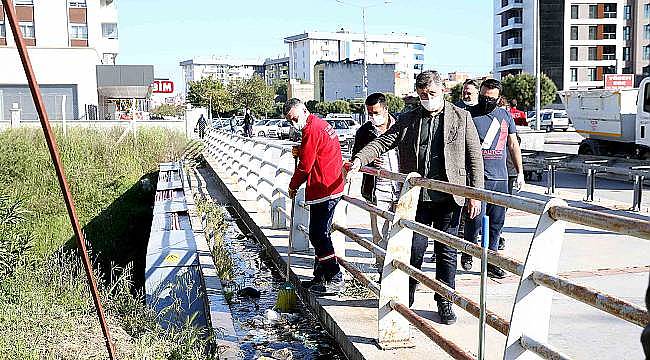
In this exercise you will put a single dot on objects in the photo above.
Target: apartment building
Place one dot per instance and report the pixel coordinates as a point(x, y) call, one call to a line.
point(404, 51)
point(222, 68)
point(67, 40)
point(276, 69)
point(581, 40)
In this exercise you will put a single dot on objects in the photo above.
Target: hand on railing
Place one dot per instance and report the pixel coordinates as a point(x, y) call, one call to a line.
point(295, 151)
point(292, 193)
point(520, 182)
point(350, 168)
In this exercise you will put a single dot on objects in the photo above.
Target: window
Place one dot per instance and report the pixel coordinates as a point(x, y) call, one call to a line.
point(574, 54)
point(646, 101)
point(592, 74)
point(593, 31)
point(627, 70)
point(78, 3)
point(78, 32)
point(609, 31)
point(574, 74)
point(626, 33)
point(610, 10)
point(626, 54)
point(593, 11)
point(27, 28)
point(419, 57)
point(627, 12)
point(646, 10)
point(2, 29)
point(109, 30)
point(609, 52)
point(418, 46)
point(593, 53)
point(24, 2)
point(574, 33)
point(646, 32)
point(574, 11)
point(646, 53)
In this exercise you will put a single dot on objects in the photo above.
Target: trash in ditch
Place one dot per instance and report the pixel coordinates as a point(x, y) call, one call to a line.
point(249, 291)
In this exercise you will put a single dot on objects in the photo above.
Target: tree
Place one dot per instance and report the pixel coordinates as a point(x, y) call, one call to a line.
point(208, 91)
point(322, 108)
point(340, 107)
point(253, 94)
point(280, 88)
point(522, 88)
point(456, 93)
point(395, 104)
point(168, 110)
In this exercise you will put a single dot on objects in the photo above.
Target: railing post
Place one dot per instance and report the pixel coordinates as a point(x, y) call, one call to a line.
point(278, 220)
point(340, 217)
point(532, 309)
point(300, 218)
point(591, 184)
point(394, 329)
point(550, 180)
point(638, 186)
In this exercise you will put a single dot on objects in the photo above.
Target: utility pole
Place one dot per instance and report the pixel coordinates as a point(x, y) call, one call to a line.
point(365, 58)
point(538, 71)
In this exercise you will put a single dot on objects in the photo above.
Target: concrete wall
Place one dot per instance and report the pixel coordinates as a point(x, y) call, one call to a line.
point(345, 80)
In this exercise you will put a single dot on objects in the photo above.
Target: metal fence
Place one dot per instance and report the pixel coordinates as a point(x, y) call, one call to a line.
point(263, 170)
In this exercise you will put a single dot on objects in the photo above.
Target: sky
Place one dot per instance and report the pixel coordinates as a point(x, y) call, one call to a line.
point(164, 32)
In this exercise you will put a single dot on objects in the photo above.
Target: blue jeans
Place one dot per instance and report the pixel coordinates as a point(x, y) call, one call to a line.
point(320, 224)
point(443, 216)
point(497, 215)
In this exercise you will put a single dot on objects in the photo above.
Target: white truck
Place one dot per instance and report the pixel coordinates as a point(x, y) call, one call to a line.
point(613, 122)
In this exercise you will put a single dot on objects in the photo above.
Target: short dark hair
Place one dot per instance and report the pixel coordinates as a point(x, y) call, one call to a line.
point(426, 78)
point(290, 104)
point(470, 82)
point(513, 103)
point(492, 84)
point(376, 98)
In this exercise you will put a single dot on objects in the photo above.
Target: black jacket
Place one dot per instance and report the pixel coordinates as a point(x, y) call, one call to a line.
point(365, 134)
point(462, 147)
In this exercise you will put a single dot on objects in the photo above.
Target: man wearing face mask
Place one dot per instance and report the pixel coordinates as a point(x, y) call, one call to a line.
point(439, 141)
point(469, 95)
point(379, 191)
point(498, 135)
point(319, 165)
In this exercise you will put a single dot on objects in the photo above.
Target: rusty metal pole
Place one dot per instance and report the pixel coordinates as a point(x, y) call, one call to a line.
point(58, 167)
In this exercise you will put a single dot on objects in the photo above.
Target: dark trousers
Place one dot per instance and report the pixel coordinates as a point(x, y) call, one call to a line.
point(497, 215)
point(201, 133)
point(443, 216)
point(320, 224)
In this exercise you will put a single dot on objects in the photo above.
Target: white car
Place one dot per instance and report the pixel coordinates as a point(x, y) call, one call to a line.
point(261, 127)
point(551, 120)
point(345, 134)
point(352, 124)
point(279, 129)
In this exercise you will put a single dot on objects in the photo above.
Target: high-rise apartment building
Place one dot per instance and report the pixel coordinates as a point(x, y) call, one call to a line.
point(221, 68)
point(67, 40)
point(404, 51)
point(580, 40)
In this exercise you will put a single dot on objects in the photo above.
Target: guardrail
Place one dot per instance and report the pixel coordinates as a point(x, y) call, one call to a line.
point(263, 168)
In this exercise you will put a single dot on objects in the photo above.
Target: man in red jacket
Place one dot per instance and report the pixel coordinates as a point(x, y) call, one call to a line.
point(320, 163)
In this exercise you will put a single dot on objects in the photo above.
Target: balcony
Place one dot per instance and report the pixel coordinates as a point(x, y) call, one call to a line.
point(609, 56)
point(513, 61)
point(609, 36)
point(509, 5)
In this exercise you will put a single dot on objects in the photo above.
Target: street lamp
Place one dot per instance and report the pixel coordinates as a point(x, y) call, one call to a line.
point(365, 41)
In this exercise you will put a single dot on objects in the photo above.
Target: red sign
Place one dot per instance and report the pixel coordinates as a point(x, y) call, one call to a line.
point(619, 81)
point(163, 87)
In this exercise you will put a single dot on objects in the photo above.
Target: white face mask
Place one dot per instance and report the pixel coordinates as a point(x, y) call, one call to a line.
point(433, 104)
point(302, 121)
point(470, 103)
point(377, 120)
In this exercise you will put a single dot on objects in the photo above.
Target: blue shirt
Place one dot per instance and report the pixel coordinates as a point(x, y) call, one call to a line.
point(493, 130)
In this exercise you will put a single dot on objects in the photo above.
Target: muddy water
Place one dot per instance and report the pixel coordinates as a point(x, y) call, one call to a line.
point(262, 333)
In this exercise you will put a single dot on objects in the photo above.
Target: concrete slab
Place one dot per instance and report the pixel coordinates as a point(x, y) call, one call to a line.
point(617, 264)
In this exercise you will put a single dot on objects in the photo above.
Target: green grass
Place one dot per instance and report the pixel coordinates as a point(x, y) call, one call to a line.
point(46, 311)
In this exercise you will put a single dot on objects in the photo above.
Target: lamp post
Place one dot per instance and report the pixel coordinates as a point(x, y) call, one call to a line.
point(538, 72)
point(365, 43)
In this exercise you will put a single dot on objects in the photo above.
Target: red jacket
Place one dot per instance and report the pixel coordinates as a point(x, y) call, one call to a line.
point(320, 162)
point(518, 116)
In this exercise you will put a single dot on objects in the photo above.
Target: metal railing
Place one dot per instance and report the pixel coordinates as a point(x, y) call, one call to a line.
point(264, 168)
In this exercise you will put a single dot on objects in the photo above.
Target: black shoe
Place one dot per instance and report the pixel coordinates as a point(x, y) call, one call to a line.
point(495, 272)
point(445, 312)
point(307, 284)
point(466, 261)
point(329, 287)
point(502, 243)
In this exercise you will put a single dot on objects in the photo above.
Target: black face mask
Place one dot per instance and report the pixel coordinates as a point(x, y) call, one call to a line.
point(486, 104)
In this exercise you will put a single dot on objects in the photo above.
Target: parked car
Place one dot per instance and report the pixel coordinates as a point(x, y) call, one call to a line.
point(550, 120)
point(352, 123)
point(261, 127)
point(279, 129)
point(345, 134)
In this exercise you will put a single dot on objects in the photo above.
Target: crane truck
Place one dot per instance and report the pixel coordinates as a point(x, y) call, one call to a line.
point(613, 122)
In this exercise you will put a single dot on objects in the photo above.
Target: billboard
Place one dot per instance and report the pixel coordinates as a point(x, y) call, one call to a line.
point(619, 81)
point(163, 87)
